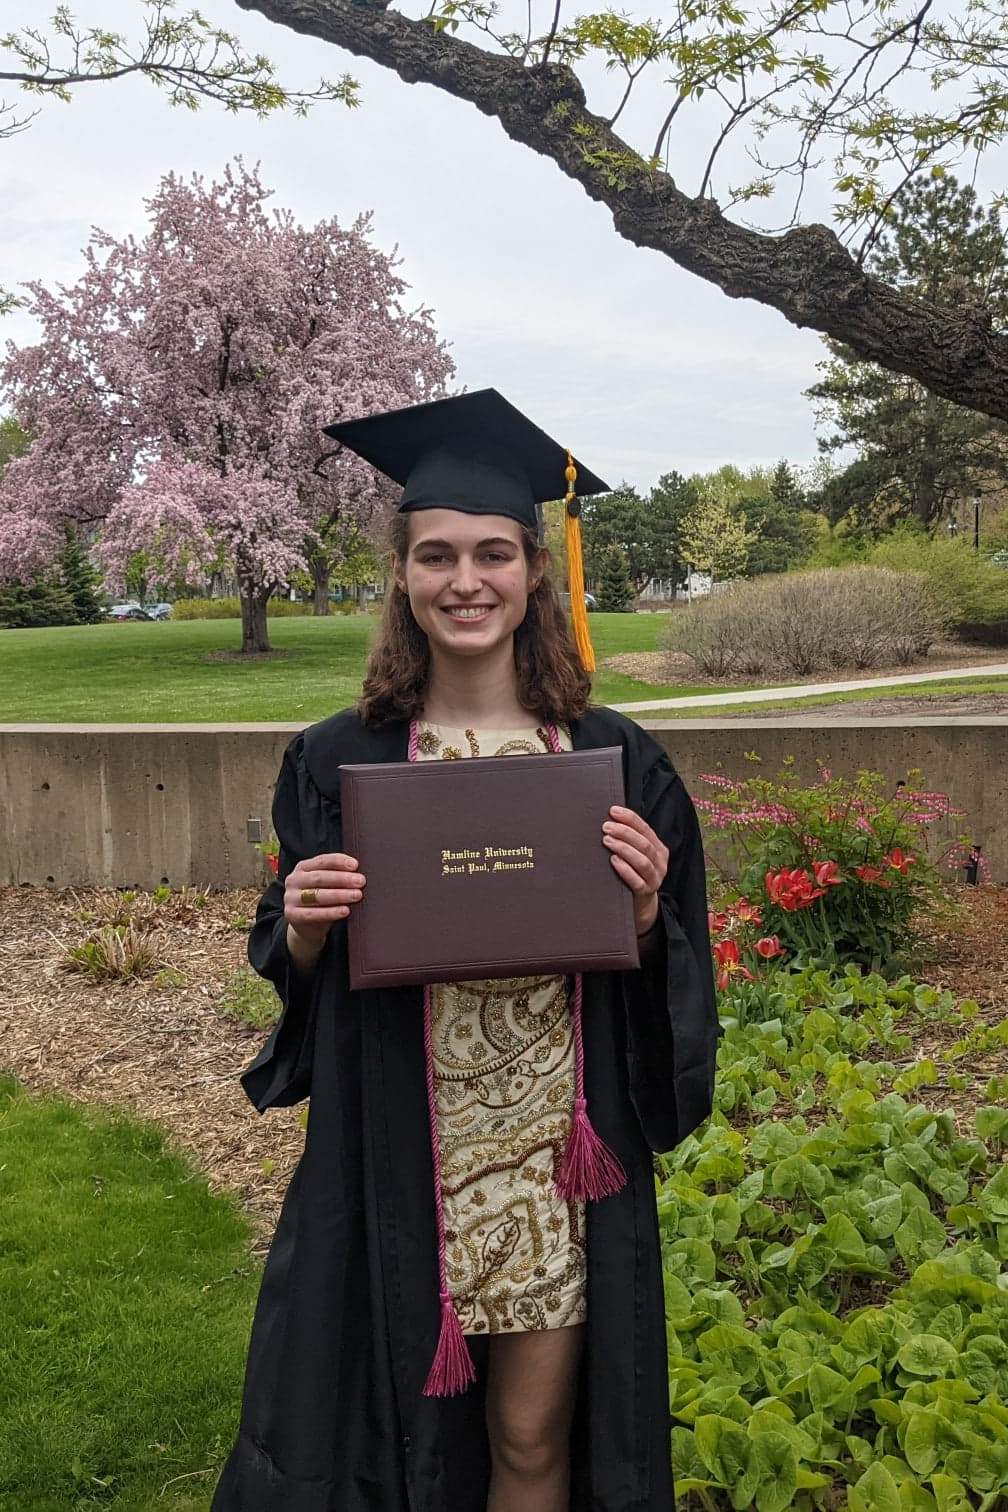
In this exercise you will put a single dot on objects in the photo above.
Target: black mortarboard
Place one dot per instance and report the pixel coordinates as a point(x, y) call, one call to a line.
point(476, 453)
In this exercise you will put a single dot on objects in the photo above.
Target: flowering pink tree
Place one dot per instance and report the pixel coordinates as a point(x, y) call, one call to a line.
point(177, 393)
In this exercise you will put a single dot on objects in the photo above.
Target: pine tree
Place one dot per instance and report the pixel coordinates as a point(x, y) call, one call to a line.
point(30, 606)
point(784, 531)
point(616, 589)
point(80, 581)
point(919, 454)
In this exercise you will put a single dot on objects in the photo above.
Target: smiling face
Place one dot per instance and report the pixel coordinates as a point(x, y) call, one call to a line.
point(468, 579)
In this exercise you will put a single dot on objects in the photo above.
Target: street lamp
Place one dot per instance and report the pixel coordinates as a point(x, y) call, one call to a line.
point(976, 522)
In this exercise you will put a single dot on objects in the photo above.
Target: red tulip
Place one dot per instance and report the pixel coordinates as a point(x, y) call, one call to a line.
point(769, 947)
point(898, 861)
point(273, 862)
point(793, 889)
point(870, 874)
point(726, 954)
point(716, 922)
point(748, 913)
point(827, 873)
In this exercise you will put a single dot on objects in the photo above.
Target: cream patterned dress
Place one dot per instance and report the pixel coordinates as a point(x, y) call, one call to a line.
point(504, 1078)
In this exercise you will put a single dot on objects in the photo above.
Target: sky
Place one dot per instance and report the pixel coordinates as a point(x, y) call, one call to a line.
point(637, 365)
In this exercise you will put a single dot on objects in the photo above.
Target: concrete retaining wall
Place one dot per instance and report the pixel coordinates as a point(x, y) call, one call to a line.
point(138, 805)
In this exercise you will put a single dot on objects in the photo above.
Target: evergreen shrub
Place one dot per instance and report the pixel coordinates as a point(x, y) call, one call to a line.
point(802, 623)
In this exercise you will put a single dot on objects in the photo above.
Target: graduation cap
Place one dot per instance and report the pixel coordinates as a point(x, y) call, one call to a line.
point(479, 454)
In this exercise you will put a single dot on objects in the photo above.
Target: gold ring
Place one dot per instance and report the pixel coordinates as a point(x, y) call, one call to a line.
point(309, 897)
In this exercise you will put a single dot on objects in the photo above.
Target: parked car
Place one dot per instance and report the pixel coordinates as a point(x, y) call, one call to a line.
point(127, 612)
point(159, 611)
point(591, 602)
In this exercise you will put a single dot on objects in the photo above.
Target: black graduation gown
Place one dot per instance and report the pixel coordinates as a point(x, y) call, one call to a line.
point(333, 1418)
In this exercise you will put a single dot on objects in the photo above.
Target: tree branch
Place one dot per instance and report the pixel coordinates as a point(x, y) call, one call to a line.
point(807, 274)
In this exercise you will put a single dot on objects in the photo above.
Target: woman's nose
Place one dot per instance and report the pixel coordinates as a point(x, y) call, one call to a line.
point(465, 578)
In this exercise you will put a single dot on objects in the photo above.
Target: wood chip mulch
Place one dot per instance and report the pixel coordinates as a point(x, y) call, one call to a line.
point(162, 1052)
point(172, 1054)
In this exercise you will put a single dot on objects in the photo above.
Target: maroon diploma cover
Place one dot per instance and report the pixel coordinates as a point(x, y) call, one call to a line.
point(490, 866)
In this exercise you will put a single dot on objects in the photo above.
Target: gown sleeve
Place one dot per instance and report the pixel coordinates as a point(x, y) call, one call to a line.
point(281, 1073)
point(671, 1014)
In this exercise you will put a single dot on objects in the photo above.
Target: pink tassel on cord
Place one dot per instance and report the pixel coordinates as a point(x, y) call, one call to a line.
point(589, 1169)
point(453, 1369)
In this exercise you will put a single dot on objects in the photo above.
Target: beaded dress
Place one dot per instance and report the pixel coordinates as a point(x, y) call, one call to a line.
point(503, 1054)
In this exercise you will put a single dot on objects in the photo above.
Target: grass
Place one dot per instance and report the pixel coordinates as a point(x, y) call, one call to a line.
point(126, 1290)
point(974, 685)
point(250, 999)
point(137, 672)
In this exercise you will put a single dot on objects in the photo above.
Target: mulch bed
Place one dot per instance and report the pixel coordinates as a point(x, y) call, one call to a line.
point(165, 1053)
point(170, 1053)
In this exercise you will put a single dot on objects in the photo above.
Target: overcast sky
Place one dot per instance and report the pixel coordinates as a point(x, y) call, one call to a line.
point(637, 365)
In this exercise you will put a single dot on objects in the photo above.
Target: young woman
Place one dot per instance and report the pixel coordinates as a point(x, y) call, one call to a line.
point(452, 1319)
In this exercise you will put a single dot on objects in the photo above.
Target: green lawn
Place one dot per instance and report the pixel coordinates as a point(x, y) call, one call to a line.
point(126, 1293)
point(140, 672)
point(972, 685)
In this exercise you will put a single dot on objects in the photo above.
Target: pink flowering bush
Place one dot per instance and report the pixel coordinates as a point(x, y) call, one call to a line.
point(835, 871)
point(176, 394)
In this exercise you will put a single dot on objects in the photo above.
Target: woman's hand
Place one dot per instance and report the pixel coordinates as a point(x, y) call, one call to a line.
point(333, 884)
point(640, 859)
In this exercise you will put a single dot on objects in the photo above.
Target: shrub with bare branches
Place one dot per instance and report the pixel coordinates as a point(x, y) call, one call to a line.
point(801, 623)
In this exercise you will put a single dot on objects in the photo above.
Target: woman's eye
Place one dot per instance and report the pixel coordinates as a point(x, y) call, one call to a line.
point(433, 560)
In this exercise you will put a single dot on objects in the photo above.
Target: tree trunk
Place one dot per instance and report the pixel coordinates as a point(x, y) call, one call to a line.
point(255, 634)
point(807, 274)
point(320, 572)
point(362, 598)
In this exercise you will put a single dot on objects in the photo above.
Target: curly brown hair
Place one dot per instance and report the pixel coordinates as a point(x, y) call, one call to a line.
point(552, 684)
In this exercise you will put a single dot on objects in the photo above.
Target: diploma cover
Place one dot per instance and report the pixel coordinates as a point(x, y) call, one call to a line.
point(490, 866)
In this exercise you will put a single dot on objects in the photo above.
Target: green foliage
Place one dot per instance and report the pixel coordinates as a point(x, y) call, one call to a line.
point(251, 999)
point(919, 454)
point(615, 586)
point(181, 53)
point(715, 536)
point(80, 580)
point(35, 605)
point(648, 532)
point(616, 520)
point(970, 590)
point(669, 502)
point(839, 869)
point(14, 440)
point(229, 608)
point(784, 531)
point(836, 1299)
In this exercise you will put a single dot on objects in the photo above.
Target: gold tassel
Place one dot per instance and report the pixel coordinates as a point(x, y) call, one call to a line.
point(575, 570)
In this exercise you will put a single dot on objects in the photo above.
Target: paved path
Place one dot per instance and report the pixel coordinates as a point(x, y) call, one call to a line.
point(809, 690)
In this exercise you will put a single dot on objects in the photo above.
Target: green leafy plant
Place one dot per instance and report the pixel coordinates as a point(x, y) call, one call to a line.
point(248, 997)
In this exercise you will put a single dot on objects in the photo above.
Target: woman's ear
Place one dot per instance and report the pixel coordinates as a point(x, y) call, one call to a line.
point(396, 569)
point(537, 569)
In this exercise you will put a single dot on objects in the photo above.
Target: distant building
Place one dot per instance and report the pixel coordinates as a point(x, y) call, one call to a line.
point(698, 585)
